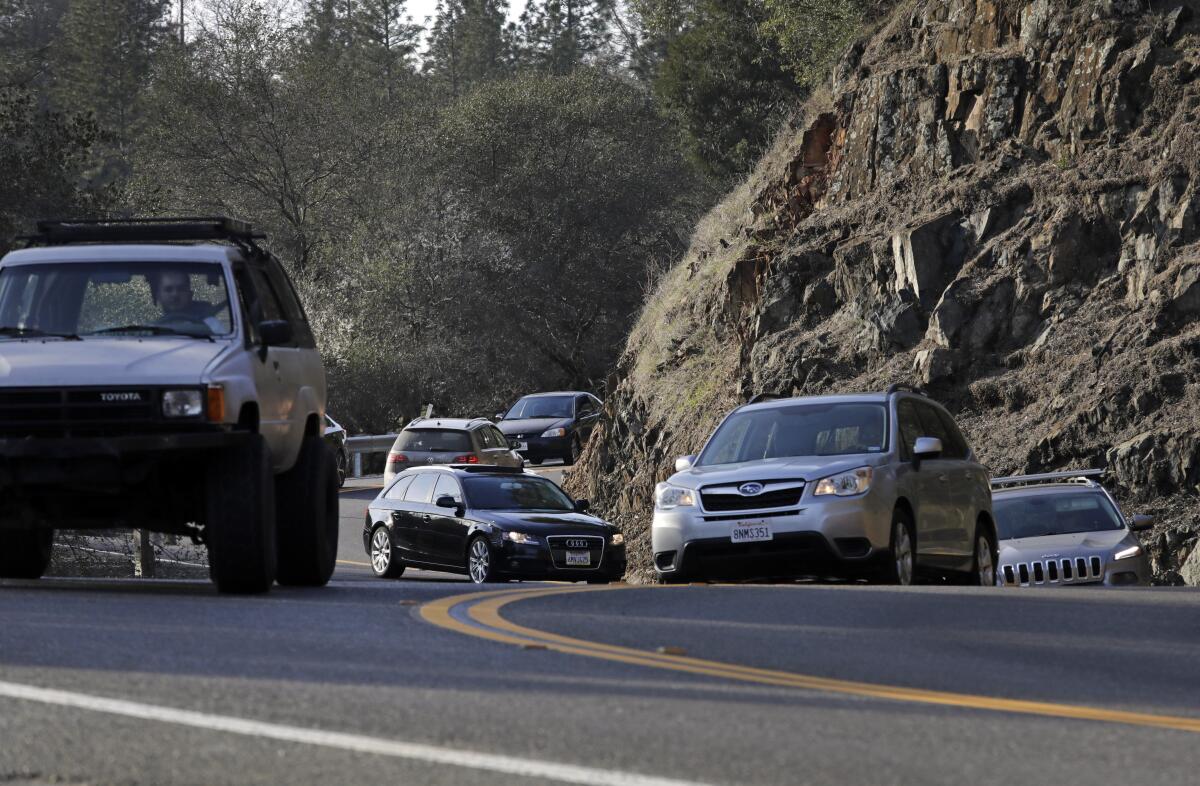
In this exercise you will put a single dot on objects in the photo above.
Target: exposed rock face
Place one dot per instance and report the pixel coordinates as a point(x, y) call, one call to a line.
point(1001, 201)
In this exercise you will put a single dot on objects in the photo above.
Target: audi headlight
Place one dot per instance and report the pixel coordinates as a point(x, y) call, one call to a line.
point(1132, 551)
point(847, 484)
point(555, 432)
point(182, 403)
point(617, 539)
point(667, 497)
point(522, 538)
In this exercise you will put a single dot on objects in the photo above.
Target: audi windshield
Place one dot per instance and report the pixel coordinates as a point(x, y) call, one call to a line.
point(516, 492)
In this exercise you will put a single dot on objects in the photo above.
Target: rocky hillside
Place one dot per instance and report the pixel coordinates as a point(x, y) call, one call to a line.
point(996, 199)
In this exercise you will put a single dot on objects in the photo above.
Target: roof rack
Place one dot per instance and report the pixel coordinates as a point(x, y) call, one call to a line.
point(145, 230)
point(486, 468)
point(761, 397)
point(1077, 476)
point(900, 387)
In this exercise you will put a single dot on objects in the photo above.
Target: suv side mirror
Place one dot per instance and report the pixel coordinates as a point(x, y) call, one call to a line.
point(499, 416)
point(582, 506)
point(684, 463)
point(927, 448)
point(275, 332)
point(1141, 522)
point(446, 501)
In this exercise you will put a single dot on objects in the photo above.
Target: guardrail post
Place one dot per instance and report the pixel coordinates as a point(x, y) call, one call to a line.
point(143, 554)
point(358, 465)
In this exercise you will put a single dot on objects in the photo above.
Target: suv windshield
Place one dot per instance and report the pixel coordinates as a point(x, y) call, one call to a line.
point(515, 493)
point(433, 440)
point(837, 429)
point(542, 407)
point(115, 298)
point(1059, 513)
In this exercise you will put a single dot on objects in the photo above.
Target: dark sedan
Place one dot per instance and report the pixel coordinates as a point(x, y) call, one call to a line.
point(491, 523)
point(551, 425)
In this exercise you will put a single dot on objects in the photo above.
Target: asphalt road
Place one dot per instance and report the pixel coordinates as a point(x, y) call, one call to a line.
point(428, 681)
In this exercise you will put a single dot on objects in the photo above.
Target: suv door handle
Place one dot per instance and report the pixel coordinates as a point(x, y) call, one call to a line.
point(425, 517)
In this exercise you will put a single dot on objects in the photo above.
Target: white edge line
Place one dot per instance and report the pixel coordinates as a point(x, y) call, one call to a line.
point(432, 754)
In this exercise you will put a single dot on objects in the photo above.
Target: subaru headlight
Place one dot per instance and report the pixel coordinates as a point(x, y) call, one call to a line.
point(1132, 551)
point(847, 484)
point(522, 538)
point(617, 539)
point(667, 497)
point(555, 432)
point(182, 403)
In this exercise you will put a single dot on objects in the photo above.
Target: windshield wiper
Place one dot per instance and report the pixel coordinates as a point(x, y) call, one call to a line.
point(24, 332)
point(155, 330)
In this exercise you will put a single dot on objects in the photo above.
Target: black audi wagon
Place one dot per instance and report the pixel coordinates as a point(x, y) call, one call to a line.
point(491, 523)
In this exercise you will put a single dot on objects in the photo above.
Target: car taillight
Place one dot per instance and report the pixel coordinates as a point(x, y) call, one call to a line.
point(470, 458)
point(397, 458)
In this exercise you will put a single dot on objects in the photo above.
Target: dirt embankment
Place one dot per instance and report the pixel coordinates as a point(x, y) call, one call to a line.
point(998, 200)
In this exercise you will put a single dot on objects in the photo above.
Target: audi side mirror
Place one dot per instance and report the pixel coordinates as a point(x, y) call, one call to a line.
point(446, 501)
point(275, 332)
point(927, 448)
point(582, 506)
point(684, 463)
point(1140, 522)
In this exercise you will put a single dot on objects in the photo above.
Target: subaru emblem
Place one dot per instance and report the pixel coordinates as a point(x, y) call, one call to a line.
point(750, 489)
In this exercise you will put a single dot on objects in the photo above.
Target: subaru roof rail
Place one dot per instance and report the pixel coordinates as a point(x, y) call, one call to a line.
point(1079, 476)
point(486, 468)
point(145, 230)
point(758, 398)
point(900, 387)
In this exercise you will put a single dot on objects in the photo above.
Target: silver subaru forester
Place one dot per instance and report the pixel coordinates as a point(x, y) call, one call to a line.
point(877, 485)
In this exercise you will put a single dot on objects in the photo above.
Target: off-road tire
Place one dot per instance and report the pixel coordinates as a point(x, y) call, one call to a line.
point(25, 553)
point(343, 463)
point(240, 519)
point(307, 517)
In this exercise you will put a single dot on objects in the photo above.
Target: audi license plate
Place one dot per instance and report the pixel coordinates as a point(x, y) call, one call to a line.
point(750, 531)
point(579, 558)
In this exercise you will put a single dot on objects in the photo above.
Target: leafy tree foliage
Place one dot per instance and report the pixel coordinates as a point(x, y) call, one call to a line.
point(560, 35)
point(469, 42)
point(811, 33)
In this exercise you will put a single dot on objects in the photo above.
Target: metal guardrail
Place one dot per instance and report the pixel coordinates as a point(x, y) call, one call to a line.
point(357, 446)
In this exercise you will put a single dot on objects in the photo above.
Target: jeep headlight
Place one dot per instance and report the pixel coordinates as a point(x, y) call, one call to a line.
point(668, 497)
point(847, 484)
point(555, 432)
point(1132, 551)
point(182, 404)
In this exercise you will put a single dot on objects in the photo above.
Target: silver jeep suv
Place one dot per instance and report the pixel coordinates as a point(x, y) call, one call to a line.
point(877, 485)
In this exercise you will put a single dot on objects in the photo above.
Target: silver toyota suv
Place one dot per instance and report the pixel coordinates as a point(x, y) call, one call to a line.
point(877, 485)
point(160, 374)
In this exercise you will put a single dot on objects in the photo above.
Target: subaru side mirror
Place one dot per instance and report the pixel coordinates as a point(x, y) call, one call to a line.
point(275, 332)
point(684, 463)
point(1140, 522)
point(582, 506)
point(927, 448)
point(499, 416)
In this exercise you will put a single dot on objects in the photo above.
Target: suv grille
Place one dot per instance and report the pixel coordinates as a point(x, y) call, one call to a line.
point(1080, 570)
point(728, 498)
point(48, 412)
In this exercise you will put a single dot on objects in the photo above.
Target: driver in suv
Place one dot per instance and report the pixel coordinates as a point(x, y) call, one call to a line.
point(878, 485)
point(173, 291)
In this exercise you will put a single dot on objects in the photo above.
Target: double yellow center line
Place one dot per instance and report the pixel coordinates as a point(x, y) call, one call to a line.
point(486, 622)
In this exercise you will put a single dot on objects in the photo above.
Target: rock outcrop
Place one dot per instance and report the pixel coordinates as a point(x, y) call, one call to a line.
point(997, 199)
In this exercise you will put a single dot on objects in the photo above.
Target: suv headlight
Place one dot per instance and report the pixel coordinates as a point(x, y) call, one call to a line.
point(522, 538)
point(667, 497)
point(1132, 551)
point(555, 432)
point(847, 484)
point(182, 404)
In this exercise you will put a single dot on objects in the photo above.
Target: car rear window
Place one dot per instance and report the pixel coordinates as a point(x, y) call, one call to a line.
point(1035, 515)
point(434, 440)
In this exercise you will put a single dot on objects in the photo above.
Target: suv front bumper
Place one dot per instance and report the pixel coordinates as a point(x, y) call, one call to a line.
point(840, 535)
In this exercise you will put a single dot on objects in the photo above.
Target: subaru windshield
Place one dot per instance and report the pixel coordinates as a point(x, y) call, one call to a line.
point(114, 299)
point(787, 431)
point(1036, 514)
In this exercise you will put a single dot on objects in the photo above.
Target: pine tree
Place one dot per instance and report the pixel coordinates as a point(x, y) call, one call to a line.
point(105, 56)
point(468, 43)
point(27, 30)
point(560, 35)
point(384, 41)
